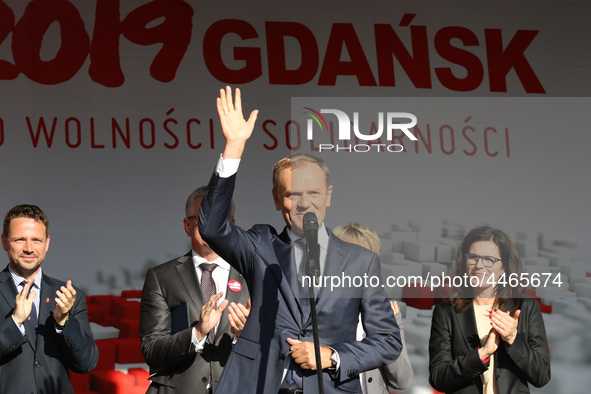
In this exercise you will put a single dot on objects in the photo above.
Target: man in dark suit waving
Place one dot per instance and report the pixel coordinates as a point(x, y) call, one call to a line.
point(44, 330)
point(191, 313)
point(275, 352)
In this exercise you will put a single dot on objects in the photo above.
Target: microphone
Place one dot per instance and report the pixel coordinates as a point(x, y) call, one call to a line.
point(312, 247)
point(313, 269)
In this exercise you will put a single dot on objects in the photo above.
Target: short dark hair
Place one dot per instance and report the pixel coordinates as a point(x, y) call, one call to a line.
point(25, 211)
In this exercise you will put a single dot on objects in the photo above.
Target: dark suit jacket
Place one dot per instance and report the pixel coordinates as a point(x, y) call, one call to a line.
point(177, 368)
point(27, 366)
point(454, 365)
point(260, 356)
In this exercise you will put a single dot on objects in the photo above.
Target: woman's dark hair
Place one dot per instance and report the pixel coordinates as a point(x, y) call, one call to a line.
point(506, 296)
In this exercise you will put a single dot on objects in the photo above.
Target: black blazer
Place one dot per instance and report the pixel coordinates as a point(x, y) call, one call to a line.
point(172, 292)
point(454, 365)
point(42, 365)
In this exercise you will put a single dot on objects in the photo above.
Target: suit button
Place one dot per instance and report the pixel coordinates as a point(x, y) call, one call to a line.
point(303, 333)
point(37, 364)
point(204, 379)
point(282, 356)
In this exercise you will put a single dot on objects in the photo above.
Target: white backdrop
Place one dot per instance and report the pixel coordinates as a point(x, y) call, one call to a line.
point(111, 205)
point(115, 198)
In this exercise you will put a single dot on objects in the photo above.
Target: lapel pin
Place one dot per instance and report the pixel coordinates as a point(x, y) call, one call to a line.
point(47, 300)
point(234, 285)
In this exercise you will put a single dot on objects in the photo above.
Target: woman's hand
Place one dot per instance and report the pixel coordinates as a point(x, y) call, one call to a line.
point(490, 346)
point(505, 324)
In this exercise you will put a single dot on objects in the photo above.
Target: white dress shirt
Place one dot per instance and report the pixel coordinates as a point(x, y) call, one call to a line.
point(18, 282)
point(225, 168)
point(220, 276)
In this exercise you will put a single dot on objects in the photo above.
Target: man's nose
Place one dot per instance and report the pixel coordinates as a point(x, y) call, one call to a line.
point(303, 201)
point(29, 247)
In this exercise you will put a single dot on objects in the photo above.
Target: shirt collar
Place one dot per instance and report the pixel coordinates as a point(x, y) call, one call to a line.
point(18, 280)
point(322, 237)
point(197, 259)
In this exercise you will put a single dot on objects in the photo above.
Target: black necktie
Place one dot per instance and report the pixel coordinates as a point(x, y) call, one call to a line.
point(208, 285)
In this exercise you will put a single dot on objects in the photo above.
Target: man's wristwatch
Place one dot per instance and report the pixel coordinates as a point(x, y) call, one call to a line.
point(333, 358)
point(59, 326)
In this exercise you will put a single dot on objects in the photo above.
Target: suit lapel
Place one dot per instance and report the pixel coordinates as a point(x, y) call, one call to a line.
point(283, 276)
point(9, 291)
point(7, 288)
point(282, 247)
point(188, 277)
point(337, 258)
point(469, 332)
point(46, 304)
point(467, 324)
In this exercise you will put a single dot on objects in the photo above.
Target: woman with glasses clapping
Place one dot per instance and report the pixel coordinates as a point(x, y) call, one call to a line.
point(488, 338)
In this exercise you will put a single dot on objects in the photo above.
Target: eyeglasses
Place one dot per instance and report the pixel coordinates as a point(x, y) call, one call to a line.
point(487, 261)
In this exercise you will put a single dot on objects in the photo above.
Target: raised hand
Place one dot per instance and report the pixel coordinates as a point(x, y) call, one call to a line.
point(491, 345)
point(236, 129)
point(237, 315)
point(505, 324)
point(210, 316)
point(64, 300)
point(24, 303)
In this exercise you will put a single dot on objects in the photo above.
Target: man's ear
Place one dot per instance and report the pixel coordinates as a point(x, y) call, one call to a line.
point(328, 195)
point(187, 226)
point(276, 199)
